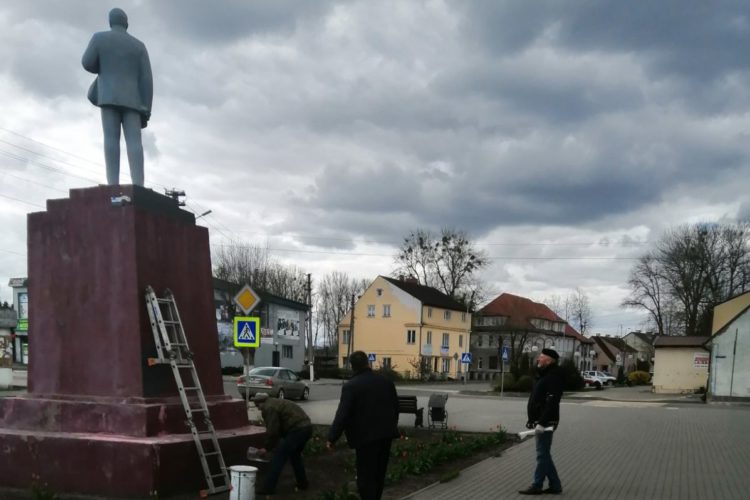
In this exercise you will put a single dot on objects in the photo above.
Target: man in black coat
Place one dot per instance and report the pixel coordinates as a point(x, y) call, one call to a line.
point(543, 410)
point(368, 415)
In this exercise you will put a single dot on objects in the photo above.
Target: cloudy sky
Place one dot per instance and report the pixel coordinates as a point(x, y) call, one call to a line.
point(562, 136)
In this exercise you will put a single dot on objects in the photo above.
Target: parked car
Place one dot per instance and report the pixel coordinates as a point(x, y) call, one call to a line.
point(276, 382)
point(605, 378)
point(608, 376)
point(592, 381)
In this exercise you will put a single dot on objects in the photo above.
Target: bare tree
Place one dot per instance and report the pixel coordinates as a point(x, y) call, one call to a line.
point(253, 264)
point(648, 290)
point(560, 305)
point(690, 269)
point(333, 301)
point(580, 310)
point(448, 262)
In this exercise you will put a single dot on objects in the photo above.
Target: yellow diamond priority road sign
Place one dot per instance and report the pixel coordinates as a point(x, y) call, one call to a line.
point(246, 299)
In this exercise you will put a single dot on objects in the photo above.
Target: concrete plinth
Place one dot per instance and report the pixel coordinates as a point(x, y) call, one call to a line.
point(97, 419)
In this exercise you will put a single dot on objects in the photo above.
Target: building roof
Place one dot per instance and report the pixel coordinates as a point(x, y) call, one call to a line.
point(427, 295)
point(680, 340)
point(519, 311)
point(270, 298)
point(646, 337)
point(572, 332)
point(603, 347)
point(619, 344)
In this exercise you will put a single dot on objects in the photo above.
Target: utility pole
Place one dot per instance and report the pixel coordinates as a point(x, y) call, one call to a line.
point(310, 347)
point(175, 194)
point(351, 334)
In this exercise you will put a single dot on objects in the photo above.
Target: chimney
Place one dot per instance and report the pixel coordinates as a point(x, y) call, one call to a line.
point(411, 279)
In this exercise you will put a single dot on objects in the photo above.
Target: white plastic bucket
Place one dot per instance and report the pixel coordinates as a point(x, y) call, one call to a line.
point(243, 482)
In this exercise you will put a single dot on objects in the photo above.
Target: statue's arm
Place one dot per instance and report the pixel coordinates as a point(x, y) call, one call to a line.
point(146, 81)
point(90, 59)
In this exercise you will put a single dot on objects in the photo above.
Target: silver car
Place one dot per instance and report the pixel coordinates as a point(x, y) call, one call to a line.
point(274, 381)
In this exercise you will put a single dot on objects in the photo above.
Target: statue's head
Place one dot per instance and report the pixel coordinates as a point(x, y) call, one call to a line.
point(117, 17)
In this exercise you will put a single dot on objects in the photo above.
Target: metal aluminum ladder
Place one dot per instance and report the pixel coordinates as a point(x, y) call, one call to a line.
point(172, 348)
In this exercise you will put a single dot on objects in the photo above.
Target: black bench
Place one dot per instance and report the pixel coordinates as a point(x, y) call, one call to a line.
point(408, 404)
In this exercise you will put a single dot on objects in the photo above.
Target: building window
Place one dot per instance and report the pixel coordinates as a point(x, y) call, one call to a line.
point(446, 365)
point(446, 340)
point(463, 317)
point(446, 315)
point(429, 312)
point(343, 361)
point(345, 337)
point(371, 311)
point(386, 363)
point(460, 341)
point(386, 310)
point(411, 336)
point(479, 340)
point(479, 363)
point(287, 351)
point(379, 292)
point(429, 337)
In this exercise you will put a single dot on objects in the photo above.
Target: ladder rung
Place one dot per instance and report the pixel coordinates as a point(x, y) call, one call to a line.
point(211, 454)
point(192, 388)
point(217, 475)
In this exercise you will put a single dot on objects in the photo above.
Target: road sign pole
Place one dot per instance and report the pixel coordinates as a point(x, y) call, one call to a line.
point(502, 376)
point(246, 352)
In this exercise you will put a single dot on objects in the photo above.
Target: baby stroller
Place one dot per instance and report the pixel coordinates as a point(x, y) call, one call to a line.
point(436, 412)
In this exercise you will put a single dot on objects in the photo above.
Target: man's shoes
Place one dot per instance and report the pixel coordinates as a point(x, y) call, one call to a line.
point(553, 491)
point(302, 486)
point(531, 490)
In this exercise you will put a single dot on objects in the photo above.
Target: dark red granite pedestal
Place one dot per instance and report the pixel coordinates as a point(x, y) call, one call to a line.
point(97, 419)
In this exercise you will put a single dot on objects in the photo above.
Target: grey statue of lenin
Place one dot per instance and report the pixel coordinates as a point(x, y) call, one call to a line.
point(123, 90)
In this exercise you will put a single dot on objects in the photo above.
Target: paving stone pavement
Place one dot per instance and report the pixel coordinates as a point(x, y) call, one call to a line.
point(620, 450)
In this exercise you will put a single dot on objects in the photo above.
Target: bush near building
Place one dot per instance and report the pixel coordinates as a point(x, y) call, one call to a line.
point(639, 378)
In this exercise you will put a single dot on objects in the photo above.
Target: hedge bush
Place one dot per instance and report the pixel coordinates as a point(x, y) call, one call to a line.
point(639, 378)
point(390, 374)
point(573, 381)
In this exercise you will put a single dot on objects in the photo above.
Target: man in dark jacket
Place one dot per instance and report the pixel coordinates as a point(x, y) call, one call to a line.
point(543, 410)
point(368, 414)
point(288, 429)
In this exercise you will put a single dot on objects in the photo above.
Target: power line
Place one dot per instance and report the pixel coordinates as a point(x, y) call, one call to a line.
point(360, 254)
point(21, 201)
point(48, 146)
point(11, 251)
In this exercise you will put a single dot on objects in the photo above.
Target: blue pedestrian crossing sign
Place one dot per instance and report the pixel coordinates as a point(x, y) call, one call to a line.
point(371, 357)
point(466, 357)
point(246, 331)
point(506, 353)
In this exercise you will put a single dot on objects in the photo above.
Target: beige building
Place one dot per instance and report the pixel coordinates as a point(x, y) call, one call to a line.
point(407, 327)
point(680, 364)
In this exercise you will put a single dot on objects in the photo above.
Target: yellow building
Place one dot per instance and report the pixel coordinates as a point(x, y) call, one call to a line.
point(408, 328)
point(680, 364)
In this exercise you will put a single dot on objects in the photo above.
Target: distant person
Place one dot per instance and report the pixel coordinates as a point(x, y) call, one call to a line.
point(123, 90)
point(368, 414)
point(543, 410)
point(288, 429)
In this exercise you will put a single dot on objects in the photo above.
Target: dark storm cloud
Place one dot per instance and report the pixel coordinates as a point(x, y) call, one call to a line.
point(695, 40)
point(220, 22)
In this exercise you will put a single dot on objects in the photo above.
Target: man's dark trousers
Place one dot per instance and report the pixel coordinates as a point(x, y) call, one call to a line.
point(545, 467)
point(372, 462)
point(290, 448)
